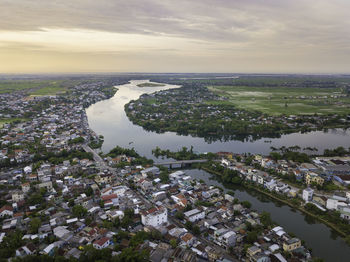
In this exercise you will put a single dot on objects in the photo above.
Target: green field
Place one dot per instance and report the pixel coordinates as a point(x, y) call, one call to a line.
point(284, 100)
point(49, 90)
point(33, 87)
point(10, 120)
point(150, 85)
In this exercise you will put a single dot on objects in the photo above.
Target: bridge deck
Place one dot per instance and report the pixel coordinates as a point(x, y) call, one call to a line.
point(181, 162)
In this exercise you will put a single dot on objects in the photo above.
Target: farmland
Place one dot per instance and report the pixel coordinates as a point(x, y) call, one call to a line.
point(284, 100)
point(33, 87)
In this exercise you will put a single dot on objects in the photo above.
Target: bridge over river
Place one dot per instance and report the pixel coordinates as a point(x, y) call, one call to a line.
point(181, 163)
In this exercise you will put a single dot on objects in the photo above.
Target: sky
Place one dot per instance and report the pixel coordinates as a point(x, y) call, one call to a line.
point(228, 36)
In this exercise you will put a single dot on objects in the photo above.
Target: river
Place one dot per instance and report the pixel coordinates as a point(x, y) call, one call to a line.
point(108, 118)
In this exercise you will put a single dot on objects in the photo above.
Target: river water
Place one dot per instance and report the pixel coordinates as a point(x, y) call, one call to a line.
point(108, 118)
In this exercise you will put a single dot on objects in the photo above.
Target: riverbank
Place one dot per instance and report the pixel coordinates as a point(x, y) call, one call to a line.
point(108, 118)
point(286, 202)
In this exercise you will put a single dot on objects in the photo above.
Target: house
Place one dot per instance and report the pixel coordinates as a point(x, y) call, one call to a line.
point(153, 170)
point(313, 178)
point(33, 177)
point(213, 254)
point(103, 178)
point(25, 187)
point(111, 199)
point(145, 185)
point(155, 216)
point(62, 233)
point(334, 204)
point(28, 249)
point(188, 239)
point(320, 200)
point(345, 213)
point(307, 194)
point(17, 196)
point(270, 185)
point(102, 243)
point(47, 185)
point(291, 244)
point(228, 239)
point(6, 211)
point(252, 251)
point(194, 215)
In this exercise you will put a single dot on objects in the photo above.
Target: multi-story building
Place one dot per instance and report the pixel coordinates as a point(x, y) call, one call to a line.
point(307, 194)
point(291, 244)
point(154, 217)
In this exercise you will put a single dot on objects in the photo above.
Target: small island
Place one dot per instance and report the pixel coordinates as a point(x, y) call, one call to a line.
point(149, 84)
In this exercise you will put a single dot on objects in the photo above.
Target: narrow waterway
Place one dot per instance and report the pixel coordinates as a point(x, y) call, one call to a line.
point(108, 118)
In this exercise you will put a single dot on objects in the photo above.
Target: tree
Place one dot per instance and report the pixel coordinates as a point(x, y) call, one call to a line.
point(173, 243)
point(79, 211)
point(189, 225)
point(252, 237)
point(246, 204)
point(196, 230)
point(34, 225)
point(265, 218)
point(179, 215)
point(230, 192)
point(71, 202)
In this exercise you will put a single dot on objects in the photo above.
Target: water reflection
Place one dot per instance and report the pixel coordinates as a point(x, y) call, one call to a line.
point(108, 118)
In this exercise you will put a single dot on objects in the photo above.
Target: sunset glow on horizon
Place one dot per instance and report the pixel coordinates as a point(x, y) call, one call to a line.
point(166, 36)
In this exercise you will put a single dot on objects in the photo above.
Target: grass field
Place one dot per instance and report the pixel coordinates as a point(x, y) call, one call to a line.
point(49, 90)
point(10, 120)
point(284, 100)
point(34, 87)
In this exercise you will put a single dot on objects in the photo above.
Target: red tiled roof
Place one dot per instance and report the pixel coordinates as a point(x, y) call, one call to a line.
point(109, 197)
point(8, 208)
point(101, 241)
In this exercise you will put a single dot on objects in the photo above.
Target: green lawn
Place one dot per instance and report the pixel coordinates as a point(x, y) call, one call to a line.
point(284, 100)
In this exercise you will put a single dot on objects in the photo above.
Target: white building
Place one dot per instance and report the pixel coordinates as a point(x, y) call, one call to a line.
point(307, 194)
point(102, 243)
point(228, 239)
point(154, 170)
point(335, 204)
point(225, 162)
point(194, 215)
point(6, 211)
point(17, 196)
point(154, 217)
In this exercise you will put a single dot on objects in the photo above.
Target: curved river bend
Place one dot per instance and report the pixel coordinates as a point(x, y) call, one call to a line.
point(108, 118)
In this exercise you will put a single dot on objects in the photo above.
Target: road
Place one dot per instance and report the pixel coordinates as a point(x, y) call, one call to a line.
point(149, 203)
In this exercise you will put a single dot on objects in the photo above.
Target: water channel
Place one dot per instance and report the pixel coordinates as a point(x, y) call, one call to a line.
point(108, 118)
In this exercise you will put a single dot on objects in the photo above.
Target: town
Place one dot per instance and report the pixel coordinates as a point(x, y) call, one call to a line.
point(60, 197)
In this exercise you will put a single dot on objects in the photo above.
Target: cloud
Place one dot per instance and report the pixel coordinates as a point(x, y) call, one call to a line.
point(260, 31)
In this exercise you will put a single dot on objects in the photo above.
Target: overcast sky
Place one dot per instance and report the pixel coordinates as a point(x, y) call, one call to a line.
point(266, 36)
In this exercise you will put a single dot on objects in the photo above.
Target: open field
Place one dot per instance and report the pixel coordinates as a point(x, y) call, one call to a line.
point(33, 87)
point(285, 100)
point(49, 90)
point(10, 120)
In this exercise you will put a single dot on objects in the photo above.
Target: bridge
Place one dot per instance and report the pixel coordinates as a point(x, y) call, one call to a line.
point(181, 163)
